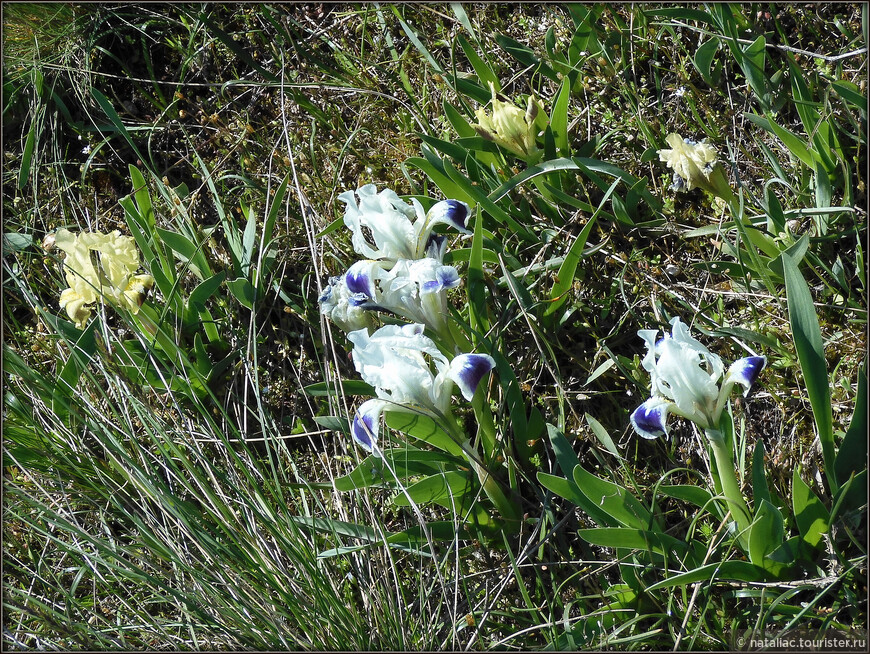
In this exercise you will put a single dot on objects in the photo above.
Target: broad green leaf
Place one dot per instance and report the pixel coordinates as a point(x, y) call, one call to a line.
point(141, 233)
point(565, 455)
point(635, 539)
point(15, 242)
point(753, 62)
point(27, 157)
point(447, 186)
point(703, 59)
point(794, 143)
point(697, 495)
point(482, 70)
point(348, 387)
point(565, 276)
point(765, 535)
point(808, 344)
point(725, 572)
point(412, 35)
point(205, 289)
point(525, 56)
point(810, 514)
point(243, 291)
point(116, 121)
point(850, 92)
point(615, 500)
point(423, 428)
point(82, 350)
point(450, 148)
point(601, 433)
point(797, 251)
point(438, 488)
point(559, 118)
point(404, 462)
point(142, 196)
point(272, 215)
point(460, 125)
point(852, 454)
point(567, 489)
point(476, 289)
point(177, 242)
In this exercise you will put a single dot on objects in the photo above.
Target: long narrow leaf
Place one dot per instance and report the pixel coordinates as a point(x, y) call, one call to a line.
point(808, 344)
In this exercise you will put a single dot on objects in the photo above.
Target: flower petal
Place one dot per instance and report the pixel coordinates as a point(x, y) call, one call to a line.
point(450, 212)
point(467, 370)
point(745, 371)
point(445, 277)
point(360, 278)
point(366, 424)
point(650, 418)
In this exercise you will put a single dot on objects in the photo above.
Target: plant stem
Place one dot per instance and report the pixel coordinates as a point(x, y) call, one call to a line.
point(507, 509)
point(728, 481)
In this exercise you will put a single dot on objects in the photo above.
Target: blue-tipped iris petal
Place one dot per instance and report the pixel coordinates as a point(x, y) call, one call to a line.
point(650, 418)
point(745, 371)
point(365, 424)
point(359, 279)
point(468, 369)
point(451, 212)
point(445, 277)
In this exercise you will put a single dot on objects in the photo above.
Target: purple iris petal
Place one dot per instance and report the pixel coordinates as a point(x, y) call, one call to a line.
point(453, 212)
point(359, 280)
point(445, 277)
point(746, 371)
point(649, 419)
point(468, 369)
point(365, 430)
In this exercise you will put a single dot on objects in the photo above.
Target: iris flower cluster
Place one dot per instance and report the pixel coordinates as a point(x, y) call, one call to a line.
point(688, 380)
point(402, 275)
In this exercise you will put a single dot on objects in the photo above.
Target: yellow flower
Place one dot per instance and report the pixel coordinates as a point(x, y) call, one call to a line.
point(97, 265)
point(512, 128)
point(695, 165)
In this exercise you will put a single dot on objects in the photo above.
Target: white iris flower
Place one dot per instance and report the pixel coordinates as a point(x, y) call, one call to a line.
point(339, 304)
point(388, 228)
point(397, 360)
point(688, 380)
point(410, 289)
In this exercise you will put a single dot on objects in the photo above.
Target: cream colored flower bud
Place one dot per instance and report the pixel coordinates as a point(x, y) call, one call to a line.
point(511, 127)
point(695, 165)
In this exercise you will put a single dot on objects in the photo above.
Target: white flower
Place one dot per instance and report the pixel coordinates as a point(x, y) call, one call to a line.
point(397, 360)
point(414, 290)
point(337, 302)
point(110, 273)
point(695, 165)
point(386, 227)
point(687, 380)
